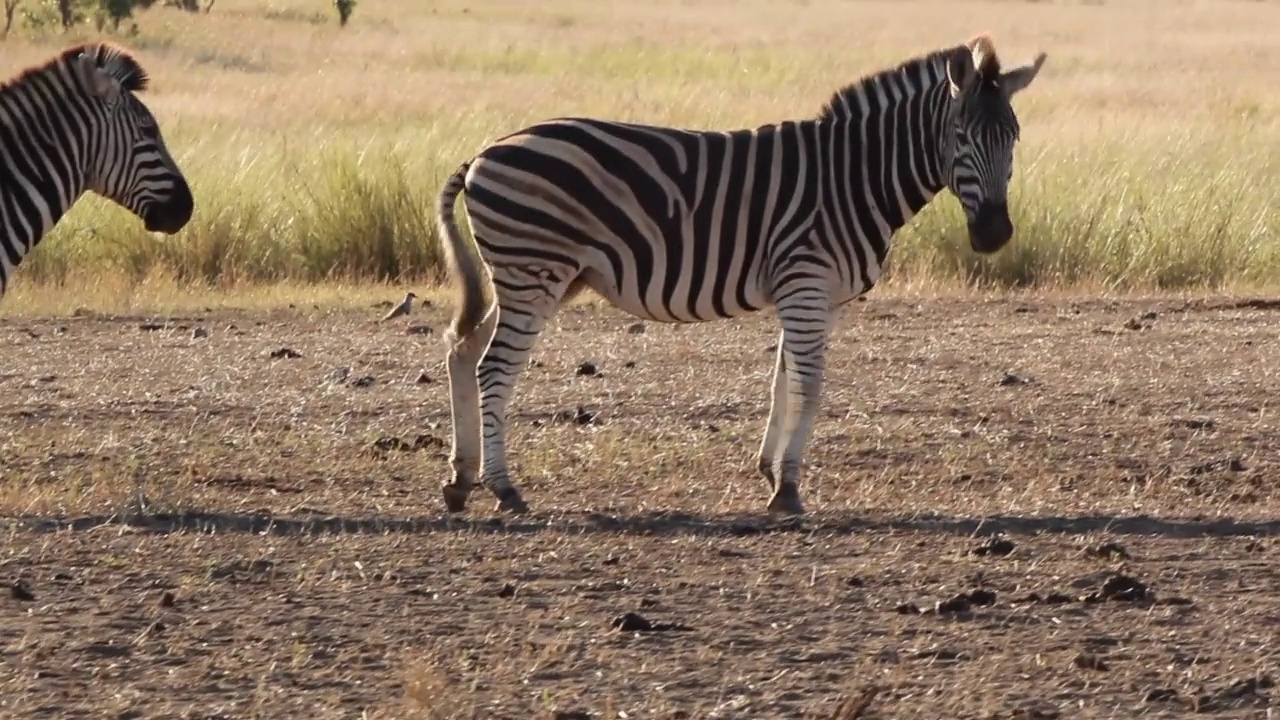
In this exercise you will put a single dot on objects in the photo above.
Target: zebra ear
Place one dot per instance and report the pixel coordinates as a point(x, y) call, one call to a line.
point(99, 81)
point(960, 70)
point(1018, 79)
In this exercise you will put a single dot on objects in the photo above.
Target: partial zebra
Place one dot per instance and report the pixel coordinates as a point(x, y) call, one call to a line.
point(73, 124)
point(689, 226)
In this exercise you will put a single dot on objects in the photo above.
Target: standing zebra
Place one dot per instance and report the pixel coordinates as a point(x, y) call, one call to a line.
point(73, 124)
point(690, 226)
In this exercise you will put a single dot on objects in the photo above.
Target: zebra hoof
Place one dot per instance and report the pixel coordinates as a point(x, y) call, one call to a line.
point(455, 498)
point(509, 500)
point(786, 501)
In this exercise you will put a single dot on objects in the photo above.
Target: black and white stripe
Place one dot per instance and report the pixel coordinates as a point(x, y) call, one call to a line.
point(73, 124)
point(689, 226)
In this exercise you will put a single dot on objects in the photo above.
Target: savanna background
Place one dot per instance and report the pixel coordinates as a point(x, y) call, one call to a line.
point(1043, 483)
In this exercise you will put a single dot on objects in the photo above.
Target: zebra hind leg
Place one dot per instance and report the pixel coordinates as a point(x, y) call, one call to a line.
point(806, 324)
point(464, 399)
point(770, 445)
point(527, 298)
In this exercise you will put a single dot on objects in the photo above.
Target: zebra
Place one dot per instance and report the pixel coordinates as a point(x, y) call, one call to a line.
point(74, 124)
point(685, 226)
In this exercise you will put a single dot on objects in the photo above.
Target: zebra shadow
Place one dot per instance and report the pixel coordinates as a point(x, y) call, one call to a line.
point(666, 523)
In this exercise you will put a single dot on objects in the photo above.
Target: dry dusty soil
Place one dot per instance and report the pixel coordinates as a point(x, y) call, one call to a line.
point(1018, 508)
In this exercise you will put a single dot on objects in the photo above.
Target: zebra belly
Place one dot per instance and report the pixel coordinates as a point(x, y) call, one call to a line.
point(677, 310)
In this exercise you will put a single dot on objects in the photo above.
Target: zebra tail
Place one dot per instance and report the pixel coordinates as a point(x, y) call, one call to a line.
point(463, 265)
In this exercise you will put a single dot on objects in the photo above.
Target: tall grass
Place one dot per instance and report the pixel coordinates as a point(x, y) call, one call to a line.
point(1150, 158)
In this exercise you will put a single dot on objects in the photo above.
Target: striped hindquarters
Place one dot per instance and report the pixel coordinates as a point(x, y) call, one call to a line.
point(668, 224)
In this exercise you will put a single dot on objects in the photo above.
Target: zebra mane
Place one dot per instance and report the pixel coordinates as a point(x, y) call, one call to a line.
point(982, 47)
point(115, 60)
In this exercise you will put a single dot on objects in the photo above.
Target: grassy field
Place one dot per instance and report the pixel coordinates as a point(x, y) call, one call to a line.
point(1150, 155)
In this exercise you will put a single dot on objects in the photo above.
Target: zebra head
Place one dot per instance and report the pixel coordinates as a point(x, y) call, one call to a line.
point(128, 161)
point(983, 132)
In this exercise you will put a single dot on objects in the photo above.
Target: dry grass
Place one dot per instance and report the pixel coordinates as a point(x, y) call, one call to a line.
point(314, 573)
point(1149, 157)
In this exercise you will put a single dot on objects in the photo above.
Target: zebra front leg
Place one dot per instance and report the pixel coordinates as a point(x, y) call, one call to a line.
point(464, 401)
point(806, 325)
point(770, 445)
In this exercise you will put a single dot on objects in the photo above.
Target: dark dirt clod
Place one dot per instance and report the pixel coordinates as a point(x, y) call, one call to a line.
point(635, 622)
point(1121, 588)
point(1109, 551)
point(1053, 598)
point(577, 416)
point(507, 590)
point(955, 604)
point(631, 622)
point(907, 609)
point(1159, 695)
point(586, 369)
point(854, 581)
point(996, 546)
point(20, 591)
point(571, 715)
point(1009, 380)
point(167, 600)
point(199, 332)
point(636, 328)
point(150, 326)
point(1195, 423)
point(285, 353)
point(1089, 661)
point(423, 379)
point(418, 329)
point(982, 597)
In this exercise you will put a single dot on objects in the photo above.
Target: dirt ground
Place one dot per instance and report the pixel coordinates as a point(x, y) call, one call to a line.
point(195, 528)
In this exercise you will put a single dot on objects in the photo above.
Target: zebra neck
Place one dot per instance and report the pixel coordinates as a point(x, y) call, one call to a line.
point(41, 173)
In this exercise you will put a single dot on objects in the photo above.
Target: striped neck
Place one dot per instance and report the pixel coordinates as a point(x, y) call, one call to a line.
point(44, 174)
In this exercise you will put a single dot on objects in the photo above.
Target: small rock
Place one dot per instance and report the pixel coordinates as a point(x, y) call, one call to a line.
point(1087, 661)
point(167, 600)
point(636, 328)
point(60, 330)
point(571, 715)
point(586, 369)
point(854, 581)
point(996, 547)
point(338, 375)
point(199, 332)
point(907, 609)
point(508, 590)
point(423, 379)
point(285, 353)
point(19, 591)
